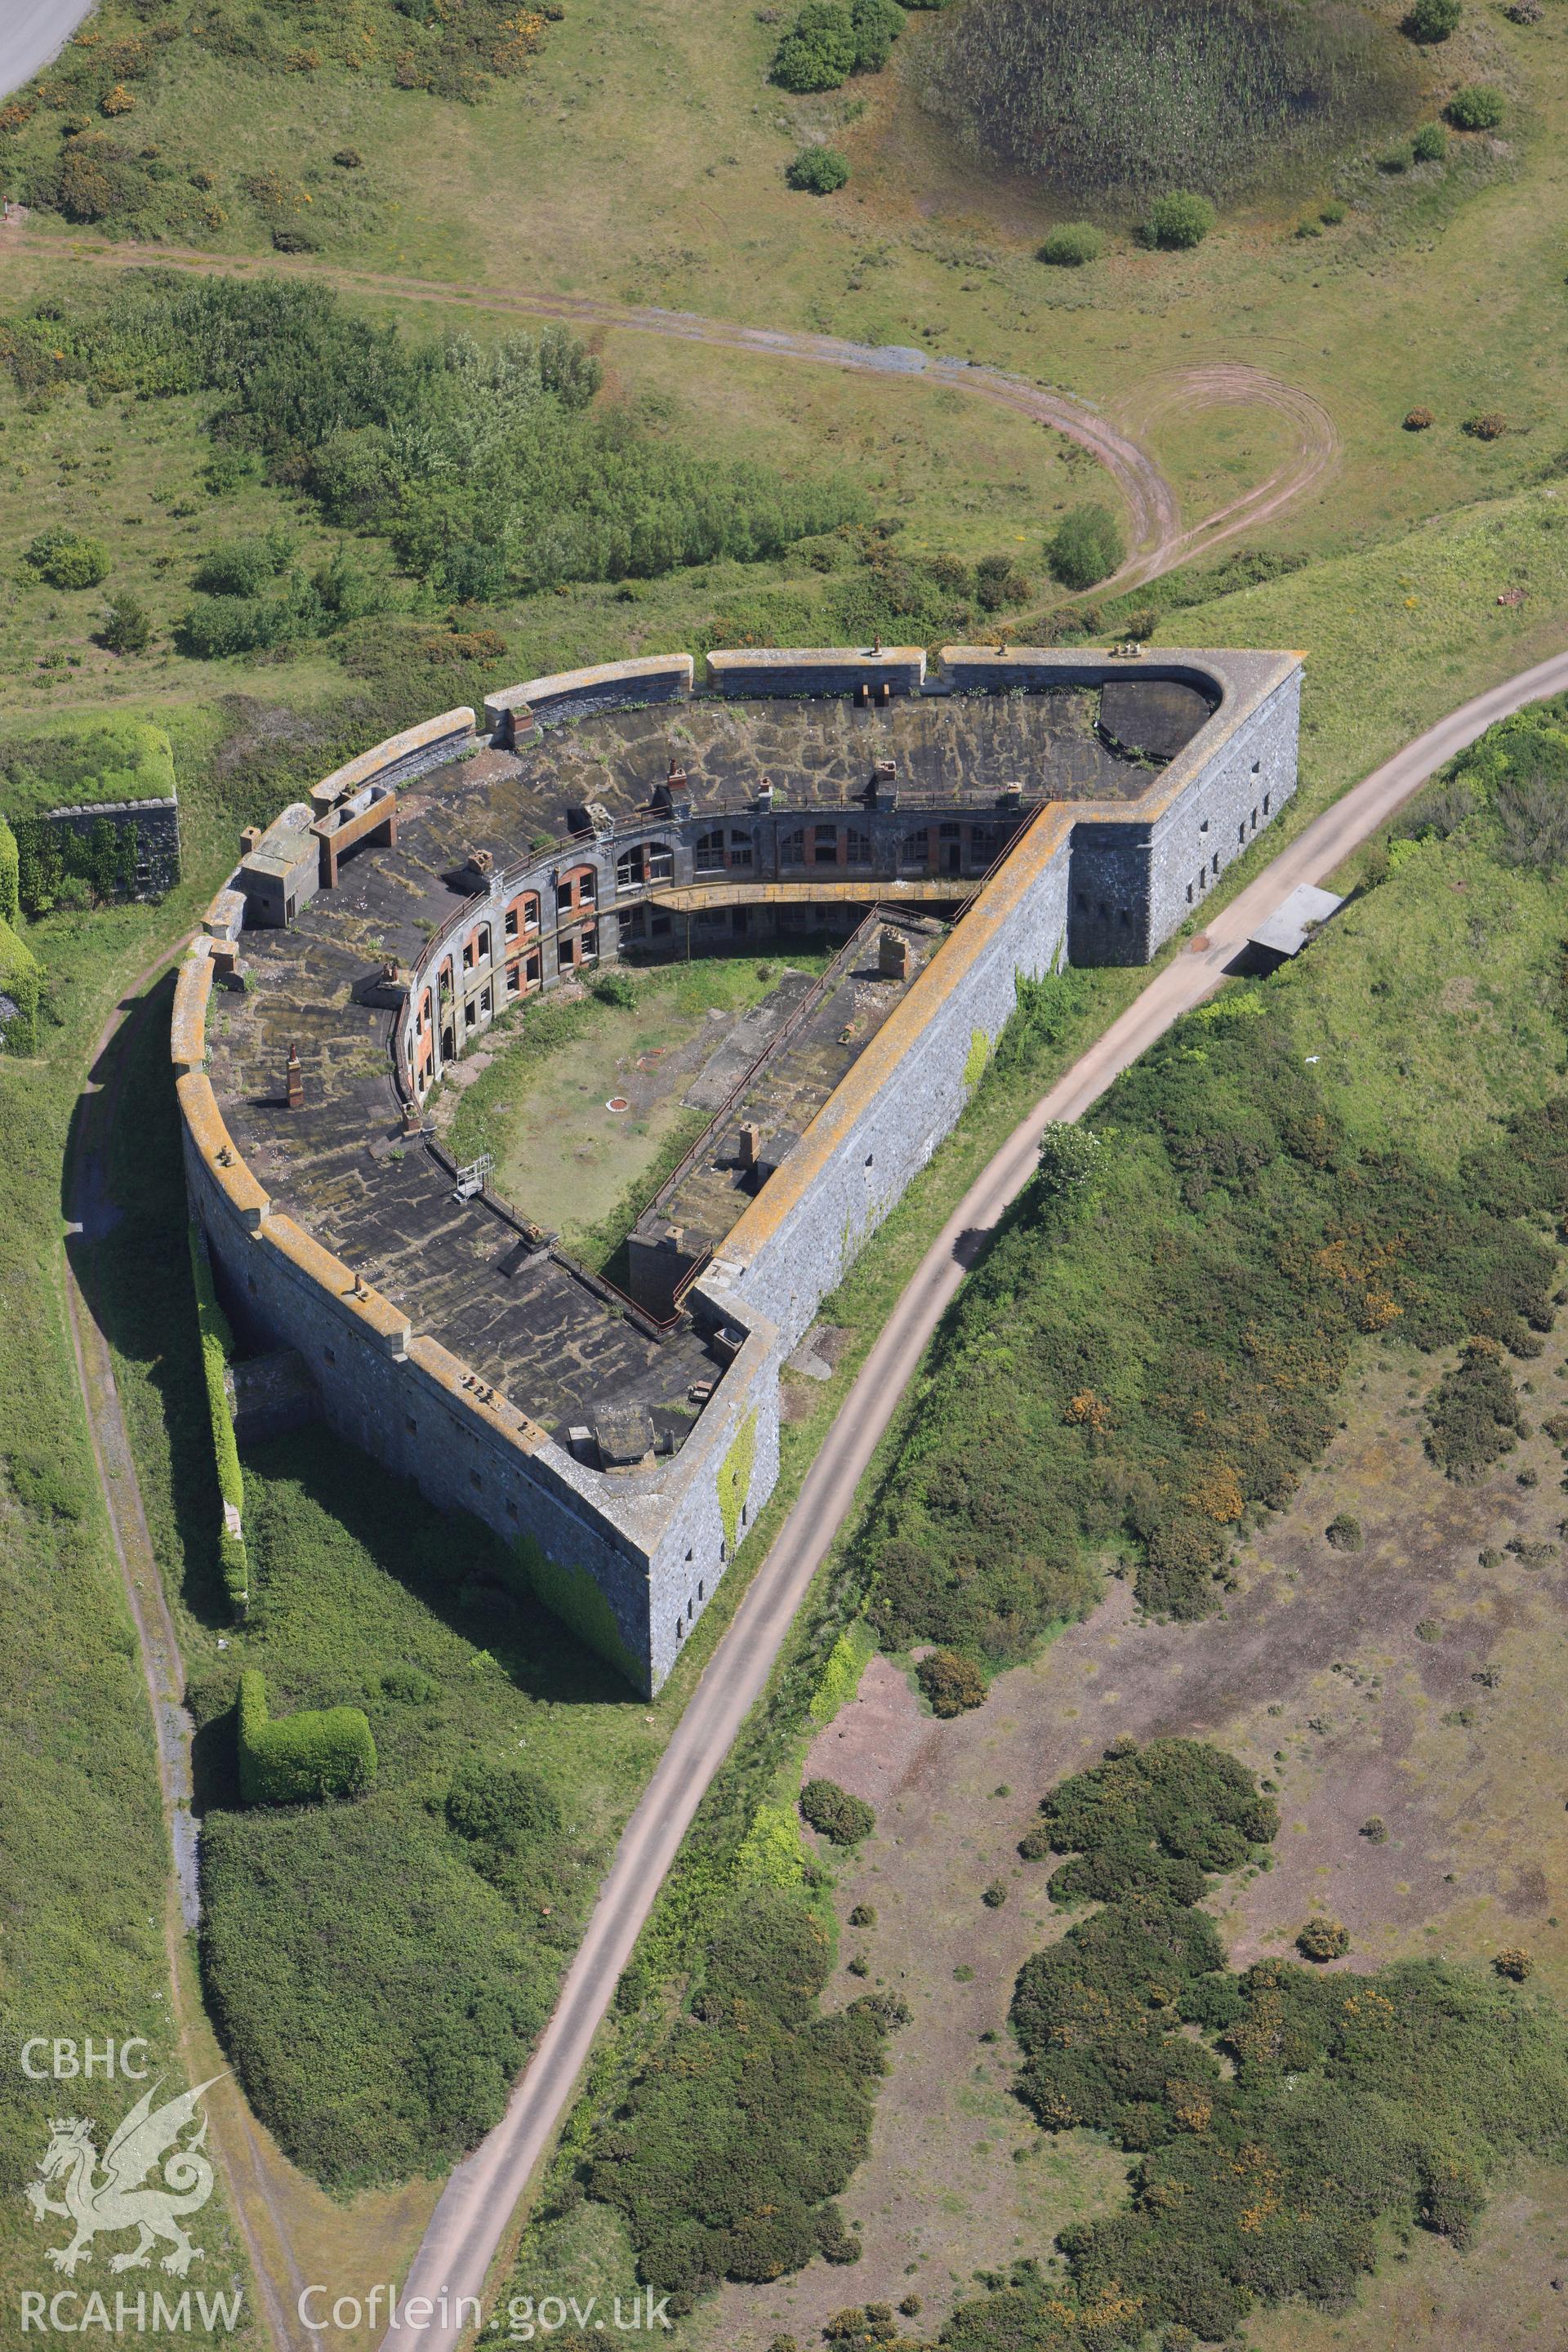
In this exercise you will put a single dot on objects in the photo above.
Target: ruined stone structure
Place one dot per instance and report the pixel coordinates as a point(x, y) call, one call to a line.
point(1020, 809)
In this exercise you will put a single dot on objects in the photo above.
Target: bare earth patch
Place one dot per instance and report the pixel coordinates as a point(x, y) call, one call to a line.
point(1315, 1676)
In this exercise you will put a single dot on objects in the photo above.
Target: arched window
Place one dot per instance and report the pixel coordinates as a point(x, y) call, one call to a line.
point(914, 851)
point(578, 886)
point(709, 855)
point(792, 848)
point(629, 873)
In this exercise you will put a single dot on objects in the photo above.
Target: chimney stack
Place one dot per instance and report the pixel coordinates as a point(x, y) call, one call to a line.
point(296, 1080)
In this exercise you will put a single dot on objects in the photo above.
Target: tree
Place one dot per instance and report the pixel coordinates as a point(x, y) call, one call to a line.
point(1178, 220)
point(1087, 546)
point(819, 50)
point(1476, 106)
point(1430, 21)
point(818, 171)
point(126, 627)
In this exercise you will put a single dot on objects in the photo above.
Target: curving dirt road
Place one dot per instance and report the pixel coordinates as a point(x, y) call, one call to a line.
point(476, 2206)
point(1156, 537)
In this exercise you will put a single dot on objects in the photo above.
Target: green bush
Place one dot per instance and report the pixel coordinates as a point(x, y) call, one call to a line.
point(1433, 20)
point(1323, 1939)
point(1478, 107)
point(1430, 143)
point(835, 1813)
point(1086, 547)
point(20, 982)
point(818, 170)
point(1474, 1415)
point(878, 23)
point(739, 2133)
point(951, 1682)
point(1179, 220)
point(375, 1996)
point(510, 1825)
point(488, 470)
point(1343, 1531)
point(1278, 2118)
point(244, 566)
point(1072, 245)
point(10, 878)
point(217, 1345)
point(819, 50)
point(67, 560)
point(127, 626)
point(300, 1758)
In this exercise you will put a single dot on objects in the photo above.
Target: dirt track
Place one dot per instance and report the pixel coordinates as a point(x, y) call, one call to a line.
point(1155, 533)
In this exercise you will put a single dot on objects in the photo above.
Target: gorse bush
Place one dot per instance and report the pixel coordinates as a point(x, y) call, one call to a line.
point(66, 560)
point(828, 42)
point(1138, 1361)
point(1178, 220)
point(1478, 107)
point(1086, 547)
point(1474, 1415)
point(840, 1817)
point(1342, 2102)
point(485, 468)
point(1430, 143)
point(1158, 1819)
point(1433, 20)
point(953, 1683)
point(753, 2117)
point(1072, 245)
point(818, 171)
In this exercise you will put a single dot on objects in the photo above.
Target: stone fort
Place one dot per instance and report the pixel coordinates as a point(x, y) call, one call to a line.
point(1015, 811)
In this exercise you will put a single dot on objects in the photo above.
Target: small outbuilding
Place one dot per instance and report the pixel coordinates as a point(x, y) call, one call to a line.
point(1288, 929)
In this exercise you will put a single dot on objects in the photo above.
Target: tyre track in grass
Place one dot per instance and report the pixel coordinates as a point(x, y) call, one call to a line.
point(1157, 539)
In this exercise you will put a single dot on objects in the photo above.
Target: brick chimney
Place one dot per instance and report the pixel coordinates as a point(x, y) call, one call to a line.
point(296, 1080)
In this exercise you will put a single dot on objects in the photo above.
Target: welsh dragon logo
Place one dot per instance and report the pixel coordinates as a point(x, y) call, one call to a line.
point(115, 2198)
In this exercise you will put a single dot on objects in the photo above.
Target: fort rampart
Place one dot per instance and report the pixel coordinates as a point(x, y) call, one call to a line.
point(630, 1555)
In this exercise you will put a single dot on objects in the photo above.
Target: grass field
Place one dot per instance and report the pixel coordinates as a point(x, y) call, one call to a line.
point(540, 1104)
point(85, 1860)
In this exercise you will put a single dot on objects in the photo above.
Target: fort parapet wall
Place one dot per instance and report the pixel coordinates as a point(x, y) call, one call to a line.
point(631, 1557)
point(156, 824)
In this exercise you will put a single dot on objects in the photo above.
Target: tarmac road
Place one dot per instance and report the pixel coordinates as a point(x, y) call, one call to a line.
point(476, 2204)
point(31, 33)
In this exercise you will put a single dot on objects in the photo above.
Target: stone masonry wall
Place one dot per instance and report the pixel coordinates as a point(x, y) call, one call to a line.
point(157, 824)
point(955, 1013)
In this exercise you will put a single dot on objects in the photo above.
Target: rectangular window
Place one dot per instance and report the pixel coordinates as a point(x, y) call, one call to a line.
point(513, 980)
point(824, 845)
point(485, 1000)
point(1265, 803)
point(740, 853)
point(511, 922)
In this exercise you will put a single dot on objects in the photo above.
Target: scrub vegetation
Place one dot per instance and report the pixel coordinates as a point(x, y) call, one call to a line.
point(1143, 1362)
point(1116, 104)
point(1279, 2118)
